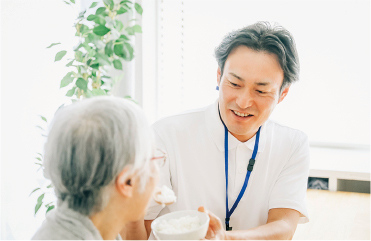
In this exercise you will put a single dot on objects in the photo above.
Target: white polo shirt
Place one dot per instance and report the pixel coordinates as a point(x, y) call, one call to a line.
point(195, 170)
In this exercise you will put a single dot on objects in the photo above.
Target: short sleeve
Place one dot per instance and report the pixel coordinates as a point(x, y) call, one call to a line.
point(290, 189)
point(154, 208)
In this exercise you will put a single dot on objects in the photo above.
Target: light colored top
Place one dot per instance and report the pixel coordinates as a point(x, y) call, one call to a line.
point(67, 224)
point(195, 170)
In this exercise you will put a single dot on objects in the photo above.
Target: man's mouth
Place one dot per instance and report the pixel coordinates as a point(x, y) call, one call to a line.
point(240, 114)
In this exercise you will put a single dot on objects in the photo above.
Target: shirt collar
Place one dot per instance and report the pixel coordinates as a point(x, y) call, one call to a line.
point(215, 128)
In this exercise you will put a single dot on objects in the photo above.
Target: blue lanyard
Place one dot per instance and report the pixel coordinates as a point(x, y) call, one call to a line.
point(249, 170)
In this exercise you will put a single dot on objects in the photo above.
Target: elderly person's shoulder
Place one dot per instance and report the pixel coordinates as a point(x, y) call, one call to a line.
point(65, 224)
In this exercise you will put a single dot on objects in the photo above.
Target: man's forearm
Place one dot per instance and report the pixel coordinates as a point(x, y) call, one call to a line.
point(279, 229)
point(134, 231)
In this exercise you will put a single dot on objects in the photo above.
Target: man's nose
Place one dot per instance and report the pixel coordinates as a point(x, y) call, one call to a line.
point(245, 100)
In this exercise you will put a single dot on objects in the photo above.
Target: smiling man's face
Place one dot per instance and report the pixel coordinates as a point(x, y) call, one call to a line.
point(249, 90)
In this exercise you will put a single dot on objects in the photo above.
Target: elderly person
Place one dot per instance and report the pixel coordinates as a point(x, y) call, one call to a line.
point(98, 156)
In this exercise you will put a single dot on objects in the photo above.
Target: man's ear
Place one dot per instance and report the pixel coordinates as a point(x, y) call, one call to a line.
point(124, 183)
point(218, 74)
point(283, 94)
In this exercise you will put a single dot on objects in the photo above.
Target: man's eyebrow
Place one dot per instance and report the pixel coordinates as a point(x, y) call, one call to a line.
point(257, 83)
point(236, 76)
point(262, 83)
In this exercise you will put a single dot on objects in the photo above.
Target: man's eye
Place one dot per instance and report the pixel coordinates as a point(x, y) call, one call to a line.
point(260, 92)
point(235, 85)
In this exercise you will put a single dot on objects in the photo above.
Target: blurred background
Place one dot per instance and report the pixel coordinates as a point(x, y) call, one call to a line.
point(174, 70)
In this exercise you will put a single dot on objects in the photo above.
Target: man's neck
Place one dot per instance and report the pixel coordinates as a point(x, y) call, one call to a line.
point(243, 138)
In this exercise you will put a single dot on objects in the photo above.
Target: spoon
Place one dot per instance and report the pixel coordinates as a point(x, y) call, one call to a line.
point(155, 197)
point(158, 200)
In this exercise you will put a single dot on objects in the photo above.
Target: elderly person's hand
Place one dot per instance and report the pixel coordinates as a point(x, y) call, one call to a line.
point(215, 230)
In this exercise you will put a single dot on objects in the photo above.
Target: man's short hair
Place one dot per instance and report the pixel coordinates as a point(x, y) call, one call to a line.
point(261, 36)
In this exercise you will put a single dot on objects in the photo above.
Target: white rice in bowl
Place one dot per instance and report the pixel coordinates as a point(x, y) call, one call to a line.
point(176, 226)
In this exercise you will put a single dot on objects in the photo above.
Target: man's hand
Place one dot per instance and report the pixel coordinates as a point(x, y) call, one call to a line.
point(215, 230)
point(281, 224)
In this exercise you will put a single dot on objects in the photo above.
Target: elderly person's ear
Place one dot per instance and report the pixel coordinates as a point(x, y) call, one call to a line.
point(124, 182)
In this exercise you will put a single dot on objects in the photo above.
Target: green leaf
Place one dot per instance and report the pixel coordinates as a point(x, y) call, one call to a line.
point(102, 59)
point(92, 37)
point(67, 2)
point(91, 17)
point(70, 63)
point(109, 3)
point(137, 28)
point(84, 29)
point(40, 199)
point(79, 56)
point(49, 186)
point(60, 55)
point(81, 14)
point(95, 66)
point(130, 51)
point(108, 50)
point(39, 154)
point(125, 1)
point(121, 10)
point(67, 79)
point(89, 94)
point(89, 49)
point(130, 30)
point(72, 1)
point(38, 164)
point(117, 64)
point(138, 8)
point(35, 190)
point(101, 30)
point(77, 47)
point(94, 4)
point(37, 207)
point(97, 92)
point(124, 37)
point(38, 158)
point(71, 92)
point(129, 98)
point(118, 49)
point(119, 25)
point(50, 208)
point(43, 118)
point(53, 44)
point(100, 20)
point(100, 10)
point(40, 128)
point(82, 84)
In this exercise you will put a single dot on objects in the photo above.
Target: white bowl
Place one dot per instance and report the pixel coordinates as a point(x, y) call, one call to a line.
point(196, 234)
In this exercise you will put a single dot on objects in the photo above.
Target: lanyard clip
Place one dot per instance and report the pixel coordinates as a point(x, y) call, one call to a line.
point(251, 165)
point(227, 225)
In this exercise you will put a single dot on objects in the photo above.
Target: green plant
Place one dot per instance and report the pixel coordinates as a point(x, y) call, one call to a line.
point(104, 43)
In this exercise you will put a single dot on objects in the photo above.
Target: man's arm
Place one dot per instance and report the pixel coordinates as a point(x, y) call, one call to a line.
point(281, 224)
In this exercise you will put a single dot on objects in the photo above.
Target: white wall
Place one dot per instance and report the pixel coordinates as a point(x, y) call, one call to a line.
point(29, 87)
point(331, 102)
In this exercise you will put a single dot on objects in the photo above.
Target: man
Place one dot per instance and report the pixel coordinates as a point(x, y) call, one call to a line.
point(249, 172)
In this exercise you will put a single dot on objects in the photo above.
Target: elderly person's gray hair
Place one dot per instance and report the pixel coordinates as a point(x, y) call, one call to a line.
point(89, 144)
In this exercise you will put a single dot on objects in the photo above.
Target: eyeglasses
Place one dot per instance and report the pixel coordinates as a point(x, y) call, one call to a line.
point(159, 158)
